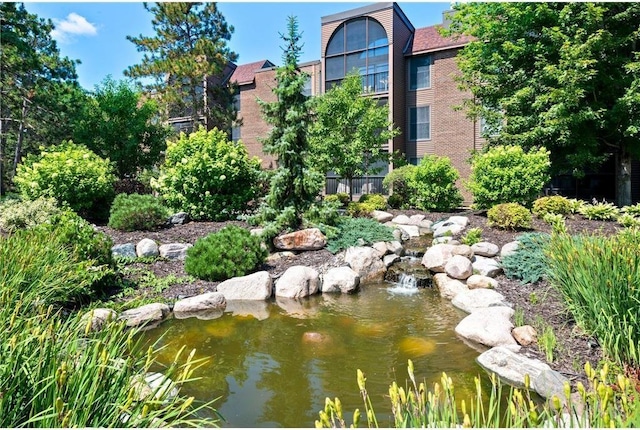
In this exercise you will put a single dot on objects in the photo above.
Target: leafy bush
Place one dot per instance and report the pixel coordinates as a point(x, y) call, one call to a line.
point(323, 213)
point(473, 236)
point(507, 174)
point(602, 211)
point(633, 210)
point(599, 278)
point(374, 200)
point(228, 253)
point(208, 176)
point(358, 232)
point(16, 214)
point(509, 216)
point(342, 198)
point(433, 185)
point(395, 201)
point(528, 262)
point(557, 205)
point(72, 175)
point(397, 182)
point(627, 220)
point(137, 212)
point(556, 221)
point(575, 205)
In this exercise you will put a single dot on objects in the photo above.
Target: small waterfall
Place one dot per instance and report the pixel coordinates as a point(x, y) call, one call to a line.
point(407, 284)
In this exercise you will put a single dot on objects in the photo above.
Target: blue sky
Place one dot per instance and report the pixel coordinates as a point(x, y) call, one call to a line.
point(95, 33)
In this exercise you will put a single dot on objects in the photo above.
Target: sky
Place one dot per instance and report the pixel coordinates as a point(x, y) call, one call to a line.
point(95, 33)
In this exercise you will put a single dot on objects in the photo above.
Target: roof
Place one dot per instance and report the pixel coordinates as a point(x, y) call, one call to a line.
point(245, 73)
point(428, 39)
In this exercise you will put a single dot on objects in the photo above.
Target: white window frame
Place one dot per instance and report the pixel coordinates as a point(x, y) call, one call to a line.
point(413, 127)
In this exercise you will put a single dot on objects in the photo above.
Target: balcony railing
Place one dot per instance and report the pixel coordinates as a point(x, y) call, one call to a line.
point(364, 185)
point(375, 82)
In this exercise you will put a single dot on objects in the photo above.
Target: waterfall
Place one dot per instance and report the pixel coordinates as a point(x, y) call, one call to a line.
point(407, 284)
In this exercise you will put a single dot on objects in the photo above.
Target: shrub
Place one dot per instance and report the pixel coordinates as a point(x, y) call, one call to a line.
point(137, 212)
point(575, 205)
point(374, 200)
point(509, 216)
point(627, 220)
point(507, 174)
point(473, 236)
point(397, 182)
point(527, 263)
point(557, 205)
point(17, 214)
point(342, 198)
point(602, 211)
point(358, 232)
point(395, 201)
point(433, 185)
point(208, 176)
point(228, 253)
point(633, 210)
point(72, 175)
point(323, 213)
point(556, 221)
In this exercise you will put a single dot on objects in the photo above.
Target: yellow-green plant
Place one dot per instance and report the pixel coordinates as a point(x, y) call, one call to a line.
point(509, 216)
point(547, 342)
point(557, 205)
point(601, 211)
point(628, 220)
point(473, 236)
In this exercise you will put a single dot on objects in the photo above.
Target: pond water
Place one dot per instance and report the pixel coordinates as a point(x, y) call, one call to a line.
point(271, 364)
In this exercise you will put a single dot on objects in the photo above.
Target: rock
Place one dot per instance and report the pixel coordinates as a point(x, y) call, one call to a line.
point(381, 247)
point(254, 308)
point(525, 335)
point(448, 288)
point(416, 219)
point(381, 216)
point(315, 337)
point(460, 220)
point(509, 248)
point(401, 219)
point(341, 280)
point(471, 300)
point(366, 262)
point(437, 256)
point(98, 317)
point(388, 260)
point(395, 247)
point(410, 230)
point(512, 367)
point(147, 314)
point(147, 248)
point(480, 281)
point(458, 267)
point(425, 223)
point(488, 326)
point(298, 281)
point(174, 251)
point(397, 234)
point(179, 218)
point(152, 382)
point(463, 250)
point(256, 286)
point(203, 306)
point(279, 256)
point(485, 249)
point(310, 239)
point(256, 231)
point(486, 266)
point(296, 308)
point(125, 250)
point(448, 229)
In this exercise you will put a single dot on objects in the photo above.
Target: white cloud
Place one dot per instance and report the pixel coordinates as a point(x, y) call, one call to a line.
point(72, 25)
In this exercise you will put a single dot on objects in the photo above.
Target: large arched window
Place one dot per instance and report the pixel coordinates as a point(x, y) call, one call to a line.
point(361, 45)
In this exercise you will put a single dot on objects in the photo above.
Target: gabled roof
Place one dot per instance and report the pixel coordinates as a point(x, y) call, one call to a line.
point(245, 73)
point(428, 39)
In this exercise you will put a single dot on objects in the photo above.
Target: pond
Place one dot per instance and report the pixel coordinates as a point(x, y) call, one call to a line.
point(271, 364)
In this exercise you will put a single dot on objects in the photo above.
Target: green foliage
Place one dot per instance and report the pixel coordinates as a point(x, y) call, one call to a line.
point(547, 342)
point(602, 211)
point(228, 253)
point(131, 212)
point(557, 222)
point(16, 214)
point(576, 205)
point(397, 181)
point(71, 174)
point(323, 213)
point(432, 185)
point(633, 210)
point(208, 176)
point(473, 236)
point(509, 216)
point(557, 205)
point(508, 174)
point(599, 278)
point(342, 198)
point(358, 232)
point(374, 200)
point(528, 262)
point(627, 220)
point(518, 317)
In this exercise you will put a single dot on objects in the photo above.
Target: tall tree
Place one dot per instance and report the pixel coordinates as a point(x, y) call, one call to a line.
point(349, 131)
point(119, 124)
point(186, 60)
point(558, 75)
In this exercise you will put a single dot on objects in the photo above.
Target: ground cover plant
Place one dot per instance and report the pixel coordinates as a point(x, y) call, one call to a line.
point(137, 212)
point(528, 262)
point(357, 232)
point(18, 214)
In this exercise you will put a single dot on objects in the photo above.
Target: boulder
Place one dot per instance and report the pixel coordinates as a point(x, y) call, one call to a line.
point(147, 248)
point(179, 218)
point(388, 260)
point(410, 230)
point(463, 250)
point(366, 262)
point(460, 220)
point(437, 256)
point(256, 286)
point(298, 281)
point(458, 267)
point(485, 249)
point(174, 251)
point(341, 280)
point(147, 314)
point(256, 231)
point(512, 368)
point(486, 266)
point(203, 306)
point(279, 256)
point(509, 248)
point(395, 247)
point(488, 326)
point(98, 317)
point(381, 247)
point(426, 224)
point(310, 239)
point(125, 250)
point(401, 219)
point(416, 220)
point(525, 335)
point(448, 288)
point(381, 216)
point(253, 308)
point(480, 281)
point(471, 300)
point(448, 229)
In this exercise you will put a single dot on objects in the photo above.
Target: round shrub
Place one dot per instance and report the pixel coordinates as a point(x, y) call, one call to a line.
point(17, 214)
point(374, 201)
point(433, 185)
point(507, 174)
point(131, 212)
point(396, 201)
point(71, 174)
point(208, 176)
point(509, 216)
point(228, 253)
point(557, 205)
point(397, 182)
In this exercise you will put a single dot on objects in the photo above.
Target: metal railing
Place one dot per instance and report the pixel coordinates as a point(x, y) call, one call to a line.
point(376, 82)
point(364, 185)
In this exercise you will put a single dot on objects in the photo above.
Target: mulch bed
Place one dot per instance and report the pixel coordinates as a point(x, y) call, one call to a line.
point(545, 304)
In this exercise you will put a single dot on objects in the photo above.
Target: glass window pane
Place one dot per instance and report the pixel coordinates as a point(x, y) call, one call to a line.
point(419, 72)
point(377, 35)
point(356, 34)
point(336, 44)
point(357, 61)
point(335, 68)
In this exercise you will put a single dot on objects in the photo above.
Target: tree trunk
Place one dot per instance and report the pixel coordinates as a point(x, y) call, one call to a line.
point(17, 158)
point(350, 181)
point(623, 178)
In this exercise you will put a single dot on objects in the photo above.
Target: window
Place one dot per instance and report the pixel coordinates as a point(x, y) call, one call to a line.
point(420, 72)
point(236, 102)
point(306, 90)
point(415, 160)
point(235, 133)
point(420, 123)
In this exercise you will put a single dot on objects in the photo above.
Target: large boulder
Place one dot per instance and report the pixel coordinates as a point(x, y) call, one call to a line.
point(147, 248)
point(390, 259)
point(486, 266)
point(458, 267)
point(480, 281)
point(488, 326)
point(460, 220)
point(124, 250)
point(448, 229)
point(437, 256)
point(256, 286)
point(471, 300)
point(381, 216)
point(98, 317)
point(366, 262)
point(417, 220)
point(525, 335)
point(401, 219)
point(485, 249)
point(298, 281)
point(410, 230)
point(340, 280)
point(395, 247)
point(174, 251)
point(509, 248)
point(463, 250)
point(203, 306)
point(179, 218)
point(150, 314)
point(448, 288)
point(310, 239)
